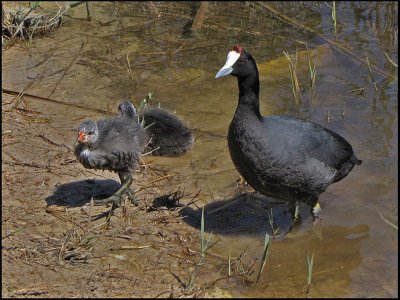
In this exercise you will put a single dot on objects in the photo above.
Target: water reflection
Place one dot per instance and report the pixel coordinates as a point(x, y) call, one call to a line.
point(336, 252)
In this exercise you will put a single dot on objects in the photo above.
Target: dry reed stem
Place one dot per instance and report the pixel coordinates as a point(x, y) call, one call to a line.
point(370, 72)
point(66, 69)
point(26, 164)
point(293, 77)
point(53, 143)
point(15, 102)
point(12, 92)
point(149, 183)
point(132, 247)
point(390, 60)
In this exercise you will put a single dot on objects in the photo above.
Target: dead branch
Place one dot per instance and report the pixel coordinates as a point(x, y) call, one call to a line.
point(200, 16)
point(53, 143)
point(25, 164)
point(12, 92)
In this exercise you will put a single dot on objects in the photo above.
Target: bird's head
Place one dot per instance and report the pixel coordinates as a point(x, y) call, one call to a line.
point(127, 110)
point(238, 63)
point(88, 132)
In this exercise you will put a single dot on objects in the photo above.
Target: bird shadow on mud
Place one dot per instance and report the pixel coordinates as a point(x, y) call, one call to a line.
point(78, 193)
point(249, 214)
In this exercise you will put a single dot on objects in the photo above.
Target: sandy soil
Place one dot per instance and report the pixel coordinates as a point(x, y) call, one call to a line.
point(54, 244)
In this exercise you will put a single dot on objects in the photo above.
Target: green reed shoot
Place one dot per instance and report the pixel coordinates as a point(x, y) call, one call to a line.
point(370, 72)
point(264, 257)
point(310, 262)
point(390, 223)
point(271, 223)
point(203, 248)
point(334, 15)
point(293, 77)
point(313, 71)
point(144, 102)
point(142, 107)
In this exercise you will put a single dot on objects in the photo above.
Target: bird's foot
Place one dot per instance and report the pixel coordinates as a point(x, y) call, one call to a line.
point(131, 196)
point(115, 199)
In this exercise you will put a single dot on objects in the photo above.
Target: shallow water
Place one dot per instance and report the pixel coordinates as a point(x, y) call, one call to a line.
point(355, 251)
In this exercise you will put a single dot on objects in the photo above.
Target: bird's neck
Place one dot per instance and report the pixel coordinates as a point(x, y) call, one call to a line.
point(84, 147)
point(81, 151)
point(249, 88)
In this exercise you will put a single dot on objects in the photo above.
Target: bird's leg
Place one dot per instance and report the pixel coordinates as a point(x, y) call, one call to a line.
point(129, 192)
point(131, 196)
point(316, 212)
point(294, 208)
point(117, 197)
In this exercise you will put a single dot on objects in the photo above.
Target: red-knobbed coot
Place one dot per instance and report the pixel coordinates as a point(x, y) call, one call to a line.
point(281, 156)
point(168, 136)
point(114, 144)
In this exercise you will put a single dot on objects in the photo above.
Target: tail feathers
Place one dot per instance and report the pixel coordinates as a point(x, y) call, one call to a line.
point(169, 136)
point(355, 160)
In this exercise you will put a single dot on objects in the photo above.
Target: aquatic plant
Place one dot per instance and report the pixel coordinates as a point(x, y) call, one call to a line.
point(293, 77)
point(203, 248)
point(264, 257)
point(310, 262)
point(313, 71)
point(334, 16)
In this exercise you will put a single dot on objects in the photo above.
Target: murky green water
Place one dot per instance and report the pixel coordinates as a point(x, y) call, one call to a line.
point(355, 251)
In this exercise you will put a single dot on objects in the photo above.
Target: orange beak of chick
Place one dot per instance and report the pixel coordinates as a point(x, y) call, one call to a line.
point(81, 136)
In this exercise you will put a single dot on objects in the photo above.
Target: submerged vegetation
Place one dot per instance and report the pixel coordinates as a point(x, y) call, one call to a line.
point(264, 256)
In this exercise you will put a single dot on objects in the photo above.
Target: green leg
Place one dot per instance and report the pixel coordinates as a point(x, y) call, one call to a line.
point(131, 196)
point(116, 199)
point(124, 176)
point(294, 209)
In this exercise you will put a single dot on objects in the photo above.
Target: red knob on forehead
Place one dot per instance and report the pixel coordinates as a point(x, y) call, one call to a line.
point(237, 49)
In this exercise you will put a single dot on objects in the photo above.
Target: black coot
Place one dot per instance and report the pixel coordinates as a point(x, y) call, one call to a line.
point(281, 156)
point(168, 136)
point(114, 144)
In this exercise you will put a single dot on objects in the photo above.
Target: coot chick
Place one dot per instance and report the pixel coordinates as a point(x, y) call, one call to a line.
point(168, 135)
point(114, 144)
point(281, 156)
